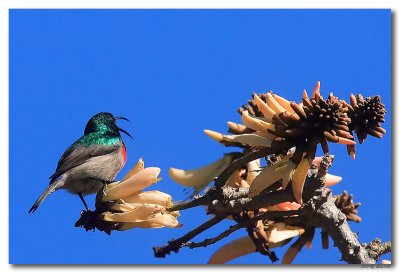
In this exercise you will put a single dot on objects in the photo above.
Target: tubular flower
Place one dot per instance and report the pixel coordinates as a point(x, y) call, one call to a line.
point(238, 248)
point(284, 170)
point(278, 232)
point(232, 250)
point(124, 205)
point(201, 177)
point(275, 235)
point(313, 121)
point(270, 120)
point(132, 207)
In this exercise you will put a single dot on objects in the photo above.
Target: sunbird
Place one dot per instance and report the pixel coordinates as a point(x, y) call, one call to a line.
point(92, 161)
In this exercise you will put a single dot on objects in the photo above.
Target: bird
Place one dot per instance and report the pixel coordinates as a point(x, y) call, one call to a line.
point(91, 162)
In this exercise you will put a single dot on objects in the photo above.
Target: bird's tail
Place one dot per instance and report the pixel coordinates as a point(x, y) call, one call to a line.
point(50, 189)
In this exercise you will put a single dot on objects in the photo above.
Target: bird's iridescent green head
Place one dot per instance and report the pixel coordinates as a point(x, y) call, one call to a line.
point(104, 123)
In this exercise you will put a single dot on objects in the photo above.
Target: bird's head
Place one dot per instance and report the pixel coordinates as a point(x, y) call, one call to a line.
point(104, 122)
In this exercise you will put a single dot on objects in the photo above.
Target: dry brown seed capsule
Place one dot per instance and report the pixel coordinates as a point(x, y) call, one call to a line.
point(354, 217)
point(375, 133)
point(288, 119)
point(298, 153)
point(312, 149)
point(299, 110)
point(341, 127)
point(307, 102)
point(297, 132)
point(278, 121)
point(349, 200)
point(324, 145)
point(351, 150)
point(331, 137)
point(325, 240)
point(279, 133)
point(366, 115)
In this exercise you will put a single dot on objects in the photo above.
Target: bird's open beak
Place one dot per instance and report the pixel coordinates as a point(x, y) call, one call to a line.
point(117, 118)
point(120, 129)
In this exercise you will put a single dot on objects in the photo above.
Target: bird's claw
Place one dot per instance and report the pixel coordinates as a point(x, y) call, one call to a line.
point(105, 185)
point(104, 190)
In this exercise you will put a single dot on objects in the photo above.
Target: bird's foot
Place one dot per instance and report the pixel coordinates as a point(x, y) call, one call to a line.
point(104, 190)
point(105, 185)
point(87, 220)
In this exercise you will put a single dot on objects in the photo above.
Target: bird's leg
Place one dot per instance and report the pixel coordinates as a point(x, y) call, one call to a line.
point(83, 201)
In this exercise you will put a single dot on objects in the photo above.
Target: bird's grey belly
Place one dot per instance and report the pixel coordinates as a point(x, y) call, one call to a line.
point(89, 177)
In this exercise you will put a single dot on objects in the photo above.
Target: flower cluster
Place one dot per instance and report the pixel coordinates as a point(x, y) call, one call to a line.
point(270, 121)
point(124, 205)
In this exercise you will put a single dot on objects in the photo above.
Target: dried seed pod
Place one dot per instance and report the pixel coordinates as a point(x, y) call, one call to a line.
point(325, 239)
point(313, 121)
point(345, 203)
point(270, 120)
point(366, 116)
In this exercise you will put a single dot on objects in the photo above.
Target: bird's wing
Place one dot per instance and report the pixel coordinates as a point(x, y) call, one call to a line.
point(79, 154)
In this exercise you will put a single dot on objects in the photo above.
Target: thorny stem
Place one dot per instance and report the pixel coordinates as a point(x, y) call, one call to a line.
point(377, 249)
point(334, 222)
point(321, 211)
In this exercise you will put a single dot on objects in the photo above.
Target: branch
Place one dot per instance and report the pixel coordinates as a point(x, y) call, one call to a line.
point(228, 193)
point(251, 221)
point(263, 199)
point(376, 248)
point(203, 200)
point(329, 217)
point(176, 244)
point(321, 211)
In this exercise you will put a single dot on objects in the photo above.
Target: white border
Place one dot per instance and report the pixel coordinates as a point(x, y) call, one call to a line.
point(197, 4)
point(5, 5)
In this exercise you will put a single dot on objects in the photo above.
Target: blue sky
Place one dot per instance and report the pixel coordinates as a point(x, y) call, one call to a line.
point(174, 73)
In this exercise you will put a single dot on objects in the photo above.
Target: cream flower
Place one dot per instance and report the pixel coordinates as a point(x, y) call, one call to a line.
point(132, 207)
point(201, 177)
point(277, 235)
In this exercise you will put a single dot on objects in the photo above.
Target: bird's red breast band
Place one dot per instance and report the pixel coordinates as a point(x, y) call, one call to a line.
point(123, 151)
